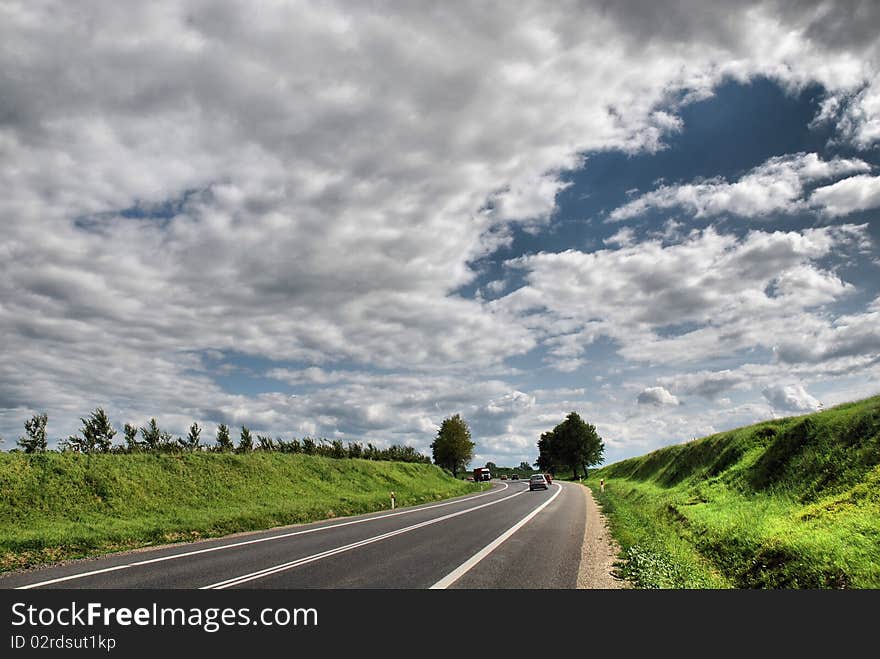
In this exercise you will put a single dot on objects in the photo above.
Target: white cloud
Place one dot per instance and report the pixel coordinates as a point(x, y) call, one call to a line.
point(791, 398)
point(623, 238)
point(856, 193)
point(657, 396)
point(532, 199)
point(777, 186)
point(856, 374)
point(724, 294)
point(496, 286)
point(859, 118)
point(672, 231)
point(709, 384)
point(565, 351)
point(848, 336)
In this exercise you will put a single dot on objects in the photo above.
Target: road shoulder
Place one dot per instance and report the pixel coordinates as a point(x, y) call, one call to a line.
point(599, 552)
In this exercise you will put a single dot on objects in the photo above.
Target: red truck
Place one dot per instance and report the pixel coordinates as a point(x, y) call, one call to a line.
point(482, 474)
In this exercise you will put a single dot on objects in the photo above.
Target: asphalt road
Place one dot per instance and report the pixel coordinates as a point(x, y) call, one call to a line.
point(507, 537)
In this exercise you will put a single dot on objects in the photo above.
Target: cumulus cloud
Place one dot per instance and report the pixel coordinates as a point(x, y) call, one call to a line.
point(856, 193)
point(848, 336)
point(657, 396)
point(711, 295)
point(708, 384)
point(720, 386)
point(790, 398)
point(777, 186)
point(857, 115)
point(317, 215)
point(623, 238)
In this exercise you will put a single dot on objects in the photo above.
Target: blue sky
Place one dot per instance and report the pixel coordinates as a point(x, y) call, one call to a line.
point(320, 220)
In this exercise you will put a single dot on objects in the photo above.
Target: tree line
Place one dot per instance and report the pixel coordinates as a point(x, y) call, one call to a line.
point(573, 444)
point(97, 436)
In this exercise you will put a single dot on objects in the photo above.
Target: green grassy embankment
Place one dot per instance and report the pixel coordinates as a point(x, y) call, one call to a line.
point(787, 503)
point(58, 506)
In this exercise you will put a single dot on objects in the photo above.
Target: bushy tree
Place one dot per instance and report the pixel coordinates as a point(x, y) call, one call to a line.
point(34, 440)
point(224, 441)
point(573, 443)
point(97, 434)
point(266, 443)
point(453, 448)
point(548, 456)
point(525, 466)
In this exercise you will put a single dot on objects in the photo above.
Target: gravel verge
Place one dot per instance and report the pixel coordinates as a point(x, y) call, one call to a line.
point(599, 552)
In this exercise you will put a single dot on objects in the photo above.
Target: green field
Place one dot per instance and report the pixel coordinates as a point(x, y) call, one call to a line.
point(788, 503)
point(56, 506)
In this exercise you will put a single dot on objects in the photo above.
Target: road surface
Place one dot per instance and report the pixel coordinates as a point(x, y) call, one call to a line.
point(507, 537)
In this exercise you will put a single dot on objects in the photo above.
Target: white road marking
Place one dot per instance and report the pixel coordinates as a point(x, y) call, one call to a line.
point(458, 572)
point(235, 581)
point(234, 545)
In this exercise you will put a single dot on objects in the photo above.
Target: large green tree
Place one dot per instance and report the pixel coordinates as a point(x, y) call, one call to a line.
point(548, 456)
point(574, 443)
point(453, 448)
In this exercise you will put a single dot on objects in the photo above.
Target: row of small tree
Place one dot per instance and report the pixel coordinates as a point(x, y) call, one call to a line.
point(97, 433)
point(572, 444)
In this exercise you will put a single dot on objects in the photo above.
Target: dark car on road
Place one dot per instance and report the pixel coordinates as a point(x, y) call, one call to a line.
point(537, 482)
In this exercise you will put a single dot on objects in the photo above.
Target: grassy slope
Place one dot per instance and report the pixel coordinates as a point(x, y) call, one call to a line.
point(788, 503)
point(57, 506)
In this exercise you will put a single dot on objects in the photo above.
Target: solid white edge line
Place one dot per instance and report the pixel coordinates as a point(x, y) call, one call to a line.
point(459, 572)
point(259, 574)
point(234, 545)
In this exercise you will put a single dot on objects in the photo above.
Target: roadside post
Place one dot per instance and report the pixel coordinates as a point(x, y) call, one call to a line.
point(393, 501)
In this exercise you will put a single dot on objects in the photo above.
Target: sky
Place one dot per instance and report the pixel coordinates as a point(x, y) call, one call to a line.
point(353, 220)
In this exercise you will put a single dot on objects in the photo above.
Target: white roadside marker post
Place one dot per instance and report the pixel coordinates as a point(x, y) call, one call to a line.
point(393, 501)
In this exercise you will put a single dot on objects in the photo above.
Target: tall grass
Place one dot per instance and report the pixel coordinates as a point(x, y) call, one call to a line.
point(789, 503)
point(56, 506)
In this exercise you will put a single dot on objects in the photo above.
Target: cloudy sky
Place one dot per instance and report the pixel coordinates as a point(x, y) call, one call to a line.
point(353, 220)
